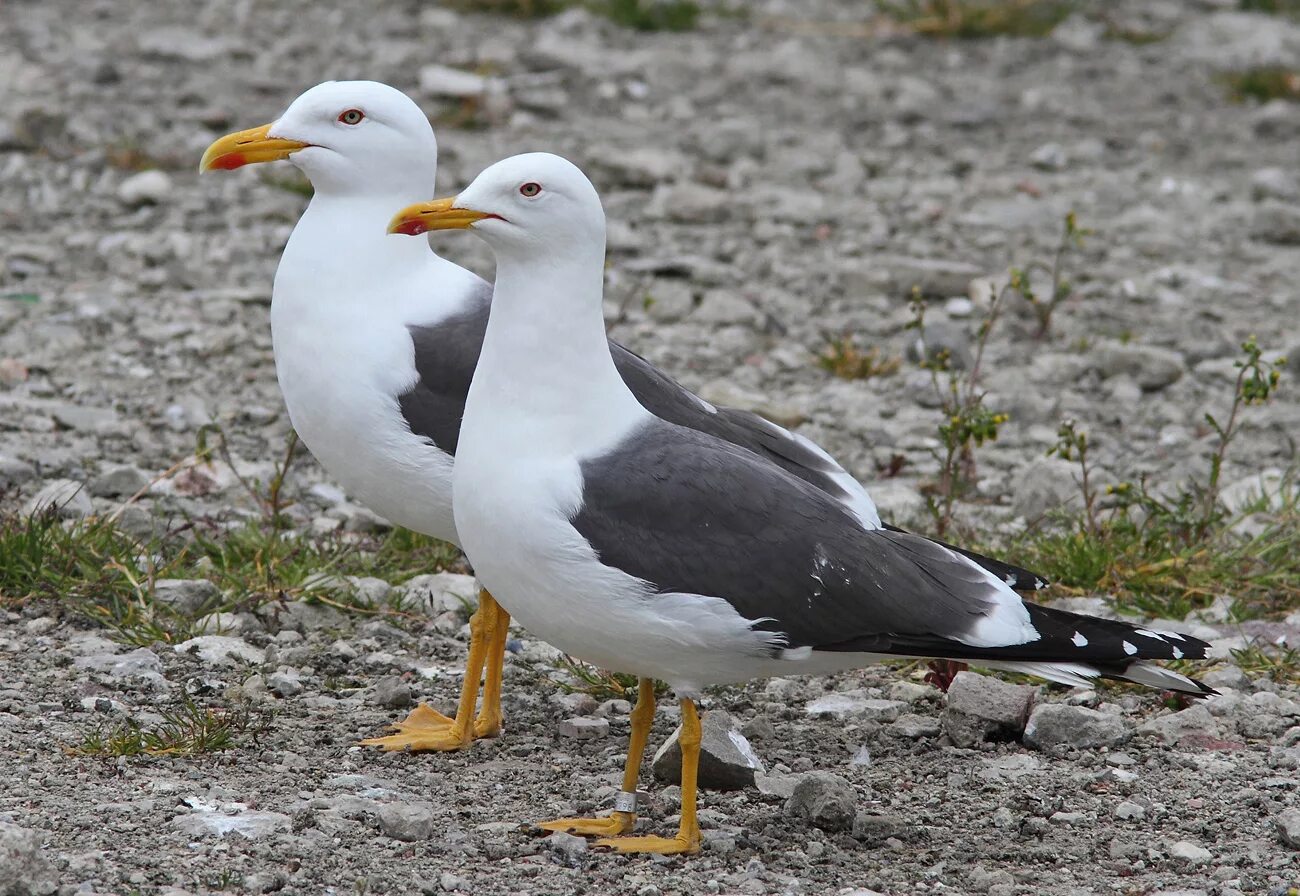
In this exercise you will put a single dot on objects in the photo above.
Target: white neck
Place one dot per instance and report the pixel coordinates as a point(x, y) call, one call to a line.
point(546, 375)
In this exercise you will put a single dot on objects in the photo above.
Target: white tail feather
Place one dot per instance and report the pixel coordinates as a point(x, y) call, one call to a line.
point(1073, 674)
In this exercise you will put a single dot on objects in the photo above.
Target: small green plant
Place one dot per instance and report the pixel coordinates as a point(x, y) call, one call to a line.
point(1264, 83)
point(1272, 7)
point(189, 730)
point(1277, 662)
point(1072, 236)
point(967, 422)
point(844, 359)
point(649, 15)
point(1166, 554)
point(519, 9)
point(975, 19)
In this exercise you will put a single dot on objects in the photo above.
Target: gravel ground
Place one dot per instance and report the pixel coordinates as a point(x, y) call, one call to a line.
point(772, 179)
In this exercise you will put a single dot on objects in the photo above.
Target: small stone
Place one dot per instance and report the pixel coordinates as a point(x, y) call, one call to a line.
point(24, 869)
point(1056, 724)
point(83, 419)
point(1151, 367)
point(1190, 853)
point(1228, 677)
point(584, 728)
point(221, 650)
point(443, 80)
point(141, 663)
point(825, 800)
point(119, 481)
point(569, 847)
point(941, 341)
point(982, 708)
point(722, 307)
point(146, 188)
point(727, 761)
point(441, 592)
point(915, 726)
point(1049, 157)
point(934, 278)
point(450, 883)
point(874, 829)
point(845, 704)
point(1129, 809)
point(1195, 721)
point(407, 822)
point(1277, 223)
point(66, 497)
point(1287, 823)
point(391, 692)
point(667, 301)
point(284, 683)
point(1275, 183)
point(188, 597)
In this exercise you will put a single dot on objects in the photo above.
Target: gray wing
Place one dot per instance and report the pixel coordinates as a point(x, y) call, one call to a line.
point(691, 514)
point(446, 354)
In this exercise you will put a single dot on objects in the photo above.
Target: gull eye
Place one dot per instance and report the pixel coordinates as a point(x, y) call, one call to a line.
point(530, 189)
point(352, 116)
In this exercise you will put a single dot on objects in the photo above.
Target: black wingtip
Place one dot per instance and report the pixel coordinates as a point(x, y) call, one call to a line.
point(1018, 578)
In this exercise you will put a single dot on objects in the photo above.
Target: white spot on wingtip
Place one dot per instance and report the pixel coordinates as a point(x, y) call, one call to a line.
point(1178, 654)
point(1129, 648)
point(1079, 640)
point(1149, 633)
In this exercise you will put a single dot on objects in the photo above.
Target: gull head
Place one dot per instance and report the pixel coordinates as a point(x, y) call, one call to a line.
point(536, 204)
point(348, 137)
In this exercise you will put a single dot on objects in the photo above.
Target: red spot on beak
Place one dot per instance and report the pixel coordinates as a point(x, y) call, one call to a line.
point(412, 227)
point(229, 162)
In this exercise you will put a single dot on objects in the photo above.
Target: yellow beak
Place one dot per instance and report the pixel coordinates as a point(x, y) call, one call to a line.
point(440, 214)
point(247, 148)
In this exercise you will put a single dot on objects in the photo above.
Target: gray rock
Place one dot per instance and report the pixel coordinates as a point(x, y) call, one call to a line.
point(1173, 727)
point(407, 822)
point(146, 188)
point(1287, 823)
point(214, 821)
point(727, 761)
point(122, 480)
point(669, 300)
point(584, 728)
point(190, 597)
point(66, 497)
point(24, 870)
point(1128, 810)
point(181, 43)
point(15, 472)
point(284, 683)
point(391, 692)
point(1276, 222)
point(441, 592)
point(1189, 853)
point(568, 847)
point(1008, 768)
point(721, 306)
point(445, 81)
point(1043, 485)
point(83, 419)
point(1232, 41)
point(915, 726)
point(825, 800)
point(934, 278)
point(692, 203)
point(221, 650)
point(1049, 157)
point(1056, 724)
point(141, 664)
point(1228, 677)
point(1275, 183)
point(304, 616)
point(873, 829)
point(1151, 367)
point(941, 341)
point(981, 708)
point(845, 704)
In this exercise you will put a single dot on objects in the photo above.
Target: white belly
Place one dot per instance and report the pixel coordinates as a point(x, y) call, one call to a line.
point(340, 384)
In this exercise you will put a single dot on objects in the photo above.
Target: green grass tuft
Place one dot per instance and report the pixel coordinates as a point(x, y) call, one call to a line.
point(976, 19)
point(190, 730)
point(844, 359)
point(1264, 83)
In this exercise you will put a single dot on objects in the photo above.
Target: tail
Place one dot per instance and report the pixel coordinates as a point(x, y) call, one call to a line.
point(1087, 647)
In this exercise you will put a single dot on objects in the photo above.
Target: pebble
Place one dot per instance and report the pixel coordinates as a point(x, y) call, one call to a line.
point(584, 728)
point(1172, 727)
point(188, 597)
point(1287, 823)
point(443, 80)
point(122, 480)
point(221, 650)
point(1129, 809)
point(24, 869)
point(441, 592)
point(285, 683)
point(825, 800)
point(727, 761)
point(1190, 853)
point(1276, 222)
point(845, 704)
point(915, 726)
point(407, 821)
point(1049, 157)
point(1043, 485)
point(1275, 183)
point(145, 188)
point(874, 829)
point(66, 497)
point(1151, 367)
point(981, 708)
point(568, 847)
point(1055, 724)
point(391, 692)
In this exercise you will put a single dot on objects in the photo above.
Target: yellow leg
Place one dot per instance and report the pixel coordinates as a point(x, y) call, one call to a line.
point(488, 723)
point(688, 831)
point(619, 822)
point(426, 728)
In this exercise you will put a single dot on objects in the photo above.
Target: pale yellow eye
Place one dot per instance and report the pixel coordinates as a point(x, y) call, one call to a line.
point(352, 116)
